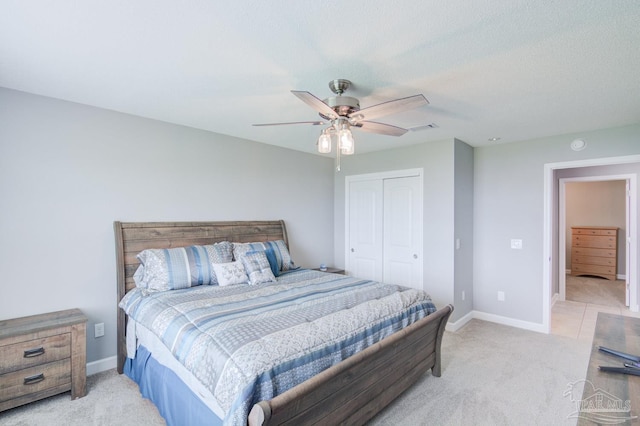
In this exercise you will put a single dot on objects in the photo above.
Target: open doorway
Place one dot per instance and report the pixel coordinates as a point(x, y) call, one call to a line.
point(597, 205)
point(553, 257)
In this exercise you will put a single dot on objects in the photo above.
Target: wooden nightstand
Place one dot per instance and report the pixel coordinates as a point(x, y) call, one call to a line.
point(41, 356)
point(331, 270)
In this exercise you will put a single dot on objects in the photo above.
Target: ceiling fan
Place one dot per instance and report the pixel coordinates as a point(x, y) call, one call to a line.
point(343, 112)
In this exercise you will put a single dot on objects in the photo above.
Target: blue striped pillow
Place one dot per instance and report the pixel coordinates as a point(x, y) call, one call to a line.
point(181, 267)
point(280, 250)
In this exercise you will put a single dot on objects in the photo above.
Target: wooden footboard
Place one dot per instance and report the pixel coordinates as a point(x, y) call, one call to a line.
point(354, 390)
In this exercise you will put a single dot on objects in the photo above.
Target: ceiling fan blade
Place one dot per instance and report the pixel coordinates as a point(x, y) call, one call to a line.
point(315, 123)
point(381, 128)
point(315, 103)
point(390, 107)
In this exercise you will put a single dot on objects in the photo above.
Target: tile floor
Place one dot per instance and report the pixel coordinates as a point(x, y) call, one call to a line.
point(578, 319)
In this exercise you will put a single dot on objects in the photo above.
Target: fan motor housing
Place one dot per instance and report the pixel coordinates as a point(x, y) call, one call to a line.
point(342, 105)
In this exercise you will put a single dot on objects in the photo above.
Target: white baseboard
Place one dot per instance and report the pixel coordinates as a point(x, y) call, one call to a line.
point(526, 325)
point(455, 326)
point(95, 367)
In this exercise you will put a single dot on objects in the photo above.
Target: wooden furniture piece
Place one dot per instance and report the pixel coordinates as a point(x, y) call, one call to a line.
point(352, 391)
point(331, 270)
point(606, 396)
point(41, 356)
point(594, 251)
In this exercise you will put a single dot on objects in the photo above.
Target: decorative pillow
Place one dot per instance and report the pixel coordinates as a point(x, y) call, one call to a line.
point(221, 252)
point(181, 267)
point(257, 267)
point(273, 261)
point(285, 263)
point(230, 273)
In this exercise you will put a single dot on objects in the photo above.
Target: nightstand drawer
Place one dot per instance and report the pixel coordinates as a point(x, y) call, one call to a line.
point(34, 352)
point(36, 379)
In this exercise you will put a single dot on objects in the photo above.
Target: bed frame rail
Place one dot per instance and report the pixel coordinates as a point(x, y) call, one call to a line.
point(354, 390)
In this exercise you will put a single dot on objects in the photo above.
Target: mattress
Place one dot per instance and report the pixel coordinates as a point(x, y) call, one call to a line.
point(242, 344)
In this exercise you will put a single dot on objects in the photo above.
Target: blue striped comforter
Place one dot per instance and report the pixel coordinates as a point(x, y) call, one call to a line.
point(251, 343)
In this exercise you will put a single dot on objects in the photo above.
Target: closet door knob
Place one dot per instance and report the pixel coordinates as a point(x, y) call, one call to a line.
point(353, 250)
point(415, 256)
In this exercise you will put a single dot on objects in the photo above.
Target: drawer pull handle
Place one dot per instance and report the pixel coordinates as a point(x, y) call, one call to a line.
point(30, 353)
point(31, 380)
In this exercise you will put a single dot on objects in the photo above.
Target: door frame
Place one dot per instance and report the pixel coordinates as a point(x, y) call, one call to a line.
point(548, 254)
point(630, 188)
point(418, 172)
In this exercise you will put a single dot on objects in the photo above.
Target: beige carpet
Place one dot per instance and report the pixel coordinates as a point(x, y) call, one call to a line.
point(492, 375)
point(597, 291)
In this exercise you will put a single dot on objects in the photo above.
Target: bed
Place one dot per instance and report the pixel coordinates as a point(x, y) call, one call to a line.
point(350, 391)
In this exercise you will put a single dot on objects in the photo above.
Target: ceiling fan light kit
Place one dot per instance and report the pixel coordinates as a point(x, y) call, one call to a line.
point(324, 142)
point(343, 112)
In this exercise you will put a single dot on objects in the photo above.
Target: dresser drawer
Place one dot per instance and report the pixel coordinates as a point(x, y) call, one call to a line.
point(597, 252)
point(34, 352)
point(594, 241)
point(577, 268)
point(591, 260)
point(588, 231)
point(35, 379)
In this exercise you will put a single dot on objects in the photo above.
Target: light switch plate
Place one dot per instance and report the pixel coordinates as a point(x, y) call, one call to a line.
point(516, 244)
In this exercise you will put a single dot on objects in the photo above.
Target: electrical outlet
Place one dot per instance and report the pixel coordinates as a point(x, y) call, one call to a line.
point(501, 296)
point(516, 244)
point(99, 329)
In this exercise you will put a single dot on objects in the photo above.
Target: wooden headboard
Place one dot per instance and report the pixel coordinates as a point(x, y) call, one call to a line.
point(133, 237)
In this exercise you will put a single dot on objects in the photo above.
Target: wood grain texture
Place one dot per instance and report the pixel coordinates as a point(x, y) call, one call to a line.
point(79, 360)
point(350, 392)
point(594, 251)
point(42, 355)
point(354, 390)
point(620, 333)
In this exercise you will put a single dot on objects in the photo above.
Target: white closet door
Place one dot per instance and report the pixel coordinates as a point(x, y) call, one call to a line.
point(365, 229)
point(402, 232)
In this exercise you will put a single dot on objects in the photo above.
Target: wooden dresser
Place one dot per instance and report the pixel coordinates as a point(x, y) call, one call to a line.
point(594, 251)
point(41, 356)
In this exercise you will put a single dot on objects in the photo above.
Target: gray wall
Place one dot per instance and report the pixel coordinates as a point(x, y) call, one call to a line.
point(600, 203)
point(67, 171)
point(463, 217)
point(438, 159)
point(509, 203)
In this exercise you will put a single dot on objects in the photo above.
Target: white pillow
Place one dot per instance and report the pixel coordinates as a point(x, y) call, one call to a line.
point(230, 273)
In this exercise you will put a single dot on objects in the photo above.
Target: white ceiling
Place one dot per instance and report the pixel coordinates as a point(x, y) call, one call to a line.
point(514, 69)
